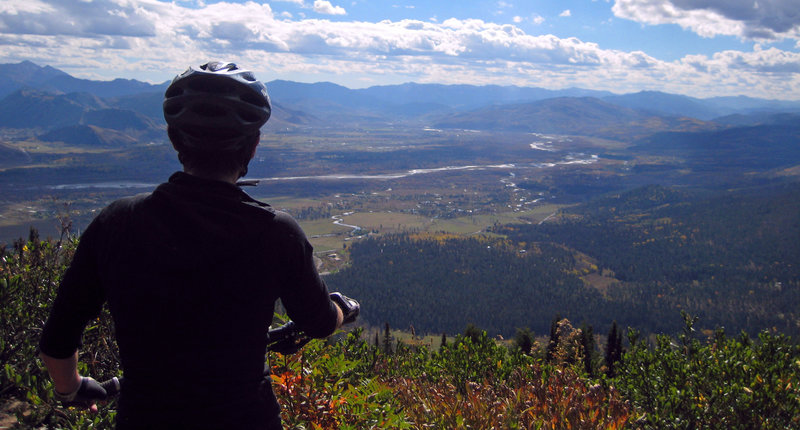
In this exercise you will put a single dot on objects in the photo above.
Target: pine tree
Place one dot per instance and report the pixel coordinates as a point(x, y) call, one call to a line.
point(613, 350)
point(387, 340)
point(553, 343)
point(587, 344)
point(523, 339)
point(473, 333)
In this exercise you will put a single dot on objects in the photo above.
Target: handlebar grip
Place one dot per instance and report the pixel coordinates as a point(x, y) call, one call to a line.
point(278, 334)
point(286, 339)
point(112, 386)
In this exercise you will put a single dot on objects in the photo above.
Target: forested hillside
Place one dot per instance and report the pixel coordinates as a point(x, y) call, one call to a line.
point(730, 258)
point(441, 283)
point(638, 258)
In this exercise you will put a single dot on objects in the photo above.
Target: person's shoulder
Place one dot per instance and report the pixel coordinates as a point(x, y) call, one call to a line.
point(285, 225)
point(125, 205)
point(260, 209)
point(128, 203)
point(286, 221)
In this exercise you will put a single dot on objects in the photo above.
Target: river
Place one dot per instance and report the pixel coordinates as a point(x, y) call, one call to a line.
point(568, 160)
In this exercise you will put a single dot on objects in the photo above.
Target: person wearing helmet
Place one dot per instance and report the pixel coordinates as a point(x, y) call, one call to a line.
point(191, 273)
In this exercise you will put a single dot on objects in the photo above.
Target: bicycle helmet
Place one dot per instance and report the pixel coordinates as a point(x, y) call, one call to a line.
point(217, 100)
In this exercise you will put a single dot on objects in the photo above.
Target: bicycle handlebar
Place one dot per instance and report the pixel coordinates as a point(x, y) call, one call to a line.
point(286, 339)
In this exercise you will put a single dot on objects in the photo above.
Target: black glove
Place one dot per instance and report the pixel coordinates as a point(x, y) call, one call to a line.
point(89, 392)
point(286, 339)
point(349, 307)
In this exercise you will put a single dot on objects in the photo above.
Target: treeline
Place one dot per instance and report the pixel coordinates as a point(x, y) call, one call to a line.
point(312, 213)
point(730, 259)
point(440, 283)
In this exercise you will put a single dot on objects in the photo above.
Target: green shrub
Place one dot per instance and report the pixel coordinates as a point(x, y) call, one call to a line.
point(722, 383)
point(29, 278)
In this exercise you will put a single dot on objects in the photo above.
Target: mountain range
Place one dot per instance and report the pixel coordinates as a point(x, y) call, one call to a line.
point(57, 106)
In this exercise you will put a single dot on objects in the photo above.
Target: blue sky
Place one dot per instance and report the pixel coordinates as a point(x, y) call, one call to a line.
point(700, 48)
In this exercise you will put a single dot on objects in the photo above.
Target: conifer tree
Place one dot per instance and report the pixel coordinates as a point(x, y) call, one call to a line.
point(613, 350)
point(553, 343)
point(387, 340)
point(523, 339)
point(587, 344)
point(473, 333)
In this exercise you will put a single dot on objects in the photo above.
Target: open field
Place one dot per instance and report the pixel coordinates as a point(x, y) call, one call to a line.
point(387, 222)
point(328, 237)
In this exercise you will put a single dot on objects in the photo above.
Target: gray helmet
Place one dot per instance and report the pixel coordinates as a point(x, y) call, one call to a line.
point(217, 99)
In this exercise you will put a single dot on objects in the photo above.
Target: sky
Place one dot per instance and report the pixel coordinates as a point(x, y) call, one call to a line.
point(700, 48)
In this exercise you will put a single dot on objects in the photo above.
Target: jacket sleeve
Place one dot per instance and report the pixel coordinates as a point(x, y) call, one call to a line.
point(79, 299)
point(303, 293)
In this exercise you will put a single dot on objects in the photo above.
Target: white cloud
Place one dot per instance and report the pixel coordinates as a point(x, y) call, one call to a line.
point(517, 19)
point(325, 7)
point(108, 17)
point(31, 6)
point(537, 19)
point(746, 19)
point(565, 13)
point(159, 39)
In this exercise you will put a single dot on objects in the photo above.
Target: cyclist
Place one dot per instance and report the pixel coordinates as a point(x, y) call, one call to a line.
point(191, 273)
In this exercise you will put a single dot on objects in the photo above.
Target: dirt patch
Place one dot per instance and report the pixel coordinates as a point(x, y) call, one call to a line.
point(8, 417)
point(599, 282)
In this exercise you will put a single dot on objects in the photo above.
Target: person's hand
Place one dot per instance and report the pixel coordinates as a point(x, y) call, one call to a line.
point(350, 308)
point(86, 396)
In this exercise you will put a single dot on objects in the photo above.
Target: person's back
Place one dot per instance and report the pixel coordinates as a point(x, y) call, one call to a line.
point(193, 277)
point(191, 273)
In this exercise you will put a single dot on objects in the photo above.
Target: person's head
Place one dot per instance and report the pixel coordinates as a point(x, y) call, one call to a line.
point(214, 114)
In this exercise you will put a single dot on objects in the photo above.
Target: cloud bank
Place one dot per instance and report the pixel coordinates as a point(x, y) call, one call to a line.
point(134, 38)
point(746, 19)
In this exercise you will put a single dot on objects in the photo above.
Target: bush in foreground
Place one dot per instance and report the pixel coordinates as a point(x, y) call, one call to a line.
point(471, 382)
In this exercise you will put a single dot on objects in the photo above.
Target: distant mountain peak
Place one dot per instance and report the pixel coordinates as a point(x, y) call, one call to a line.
point(28, 73)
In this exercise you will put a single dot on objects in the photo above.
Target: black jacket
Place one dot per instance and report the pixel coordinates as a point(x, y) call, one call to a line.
point(191, 273)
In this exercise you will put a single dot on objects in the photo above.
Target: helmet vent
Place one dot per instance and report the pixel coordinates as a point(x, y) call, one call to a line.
point(253, 99)
point(216, 87)
point(249, 116)
point(172, 109)
point(209, 110)
point(172, 91)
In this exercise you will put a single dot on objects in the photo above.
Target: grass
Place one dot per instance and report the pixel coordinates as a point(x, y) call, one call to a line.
point(41, 147)
point(326, 236)
point(387, 222)
point(477, 223)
